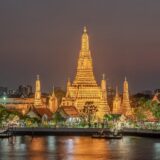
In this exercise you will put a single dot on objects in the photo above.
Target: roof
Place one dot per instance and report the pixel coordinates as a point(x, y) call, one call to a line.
point(156, 98)
point(69, 111)
point(41, 111)
point(44, 111)
point(33, 114)
point(150, 116)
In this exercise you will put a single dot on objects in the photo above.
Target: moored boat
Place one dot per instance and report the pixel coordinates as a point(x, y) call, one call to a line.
point(109, 135)
point(5, 133)
point(3, 130)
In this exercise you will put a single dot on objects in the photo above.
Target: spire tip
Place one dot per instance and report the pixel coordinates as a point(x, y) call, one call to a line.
point(37, 76)
point(103, 76)
point(85, 29)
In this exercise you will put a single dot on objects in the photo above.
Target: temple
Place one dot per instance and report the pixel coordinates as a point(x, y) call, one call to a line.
point(84, 87)
point(126, 107)
point(38, 99)
point(53, 102)
point(117, 103)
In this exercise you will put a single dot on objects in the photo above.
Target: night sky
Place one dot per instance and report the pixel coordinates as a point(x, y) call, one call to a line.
point(43, 37)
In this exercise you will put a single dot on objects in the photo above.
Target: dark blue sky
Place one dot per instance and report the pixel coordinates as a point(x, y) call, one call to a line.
point(43, 36)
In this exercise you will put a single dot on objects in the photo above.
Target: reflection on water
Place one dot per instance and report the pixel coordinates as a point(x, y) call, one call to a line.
point(79, 148)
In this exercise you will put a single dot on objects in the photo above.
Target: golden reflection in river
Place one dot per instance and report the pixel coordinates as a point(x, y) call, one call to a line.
point(86, 148)
point(37, 149)
point(79, 148)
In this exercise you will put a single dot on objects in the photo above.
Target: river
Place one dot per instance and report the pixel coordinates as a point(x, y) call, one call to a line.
point(78, 148)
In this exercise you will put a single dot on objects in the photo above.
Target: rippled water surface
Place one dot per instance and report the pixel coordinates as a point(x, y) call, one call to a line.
point(79, 148)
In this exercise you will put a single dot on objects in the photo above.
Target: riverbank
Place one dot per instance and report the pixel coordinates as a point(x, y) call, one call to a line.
point(81, 132)
point(56, 131)
point(141, 132)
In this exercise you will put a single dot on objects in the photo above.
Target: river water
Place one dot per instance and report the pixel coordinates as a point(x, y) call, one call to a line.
point(78, 148)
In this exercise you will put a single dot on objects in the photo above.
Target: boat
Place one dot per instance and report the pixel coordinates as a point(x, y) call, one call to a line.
point(3, 130)
point(99, 136)
point(109, 135)
point(5, 133)
point(120, 136)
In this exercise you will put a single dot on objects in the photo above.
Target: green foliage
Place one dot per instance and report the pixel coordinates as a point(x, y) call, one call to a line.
point(2, 108)
point(111, 117)
point(144, 106)
point(139, 114)
point(7, 116)
point(155, 108)
point(57, 118)
point(108, 117)
point(29, 121)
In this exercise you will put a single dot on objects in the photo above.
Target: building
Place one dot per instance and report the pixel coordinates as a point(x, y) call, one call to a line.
point(24, 90)
point(38, 99)
point(3, 91)
point(84, 87)
point(53, 102)
point(69, 112)
point(24, 104)
point(40, 113)
point(117, 109)
point(156, 98)
point(126, 107)
point(18, 104)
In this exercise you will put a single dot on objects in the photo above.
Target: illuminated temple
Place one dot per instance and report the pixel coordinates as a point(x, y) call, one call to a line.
point(84, 87)
point(117, 108)
point(126, 107)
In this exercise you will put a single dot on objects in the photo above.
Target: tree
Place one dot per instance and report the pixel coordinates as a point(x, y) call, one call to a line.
point(57, 118)
point(155, 108)
point(142, 109)
point(89, 111)
point(108, 117)
point(139, 113)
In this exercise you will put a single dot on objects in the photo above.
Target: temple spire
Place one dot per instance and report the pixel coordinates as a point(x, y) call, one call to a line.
point(53, 102)
point(85, 29)
point(116, 103)
point(117, 93)
point(68, 82)
point(126, 107)
point(103, 76)
point(37, 76)
point(85, 41)
point(53, 94)
point(84, 74)
point(37, 99)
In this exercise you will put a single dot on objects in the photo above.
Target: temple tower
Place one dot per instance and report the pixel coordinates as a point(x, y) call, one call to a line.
point(84, 87)
point(37, 98)
point(84, 74)
point(53, 102)
point(117, 103)
point(126, 107)
point(68, 86)
point(103, 87)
